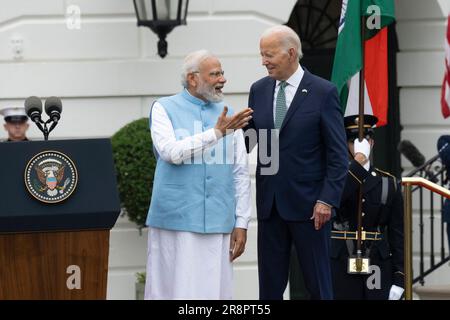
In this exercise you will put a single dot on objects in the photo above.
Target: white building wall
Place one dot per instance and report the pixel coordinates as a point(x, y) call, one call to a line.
point(107, 73)
point(421, 28)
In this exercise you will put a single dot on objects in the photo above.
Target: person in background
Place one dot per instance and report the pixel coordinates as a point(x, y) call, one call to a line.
point(16, 123)
point(382, 224)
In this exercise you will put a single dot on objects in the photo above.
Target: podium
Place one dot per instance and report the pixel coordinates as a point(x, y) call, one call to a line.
point(56, 250)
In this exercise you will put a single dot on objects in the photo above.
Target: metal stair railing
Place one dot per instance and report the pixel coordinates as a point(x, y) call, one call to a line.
point(413, 184)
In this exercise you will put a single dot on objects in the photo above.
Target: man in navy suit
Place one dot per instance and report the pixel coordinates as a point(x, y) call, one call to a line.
point(295, 202)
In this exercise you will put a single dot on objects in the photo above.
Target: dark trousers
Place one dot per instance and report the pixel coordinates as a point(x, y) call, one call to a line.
point(355, 286)
point(275, 238)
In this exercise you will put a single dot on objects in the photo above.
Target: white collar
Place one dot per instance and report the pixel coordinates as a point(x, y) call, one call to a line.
point(295, 79)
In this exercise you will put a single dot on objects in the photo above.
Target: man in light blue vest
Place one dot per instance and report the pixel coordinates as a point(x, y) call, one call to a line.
point(200, 204)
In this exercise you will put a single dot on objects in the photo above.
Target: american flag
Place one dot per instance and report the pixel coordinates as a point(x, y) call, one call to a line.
point(445, 93)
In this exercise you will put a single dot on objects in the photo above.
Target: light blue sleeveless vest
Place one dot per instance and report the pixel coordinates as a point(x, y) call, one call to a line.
point(197, 195)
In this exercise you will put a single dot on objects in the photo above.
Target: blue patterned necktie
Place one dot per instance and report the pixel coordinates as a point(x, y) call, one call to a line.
point(280, 106)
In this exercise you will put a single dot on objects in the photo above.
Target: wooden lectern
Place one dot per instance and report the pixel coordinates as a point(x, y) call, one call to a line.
point(56, 250)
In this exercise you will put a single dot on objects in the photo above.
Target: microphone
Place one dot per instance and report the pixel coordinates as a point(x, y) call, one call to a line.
point(33, 108)
point(411, 153)
point(53, 108)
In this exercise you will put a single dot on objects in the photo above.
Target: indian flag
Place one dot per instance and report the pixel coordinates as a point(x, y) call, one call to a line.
point(348, 56)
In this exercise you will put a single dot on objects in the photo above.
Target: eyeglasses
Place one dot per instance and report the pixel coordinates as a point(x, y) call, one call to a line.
point(214, 75)
point(217, 74)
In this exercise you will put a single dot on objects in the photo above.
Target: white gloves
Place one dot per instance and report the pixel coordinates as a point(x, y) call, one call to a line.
point(395, 293)
point(362, 147)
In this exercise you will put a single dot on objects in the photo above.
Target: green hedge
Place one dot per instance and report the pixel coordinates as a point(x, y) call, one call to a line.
point(135, 167)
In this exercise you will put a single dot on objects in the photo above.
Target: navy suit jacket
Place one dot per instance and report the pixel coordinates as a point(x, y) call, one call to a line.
point(313, 155)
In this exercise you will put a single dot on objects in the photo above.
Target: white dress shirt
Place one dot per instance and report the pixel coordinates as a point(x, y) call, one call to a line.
point(176, 151)
point(291, 88)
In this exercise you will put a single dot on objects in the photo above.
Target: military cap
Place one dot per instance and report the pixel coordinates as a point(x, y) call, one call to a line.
point(352, 127)
point(14, 114)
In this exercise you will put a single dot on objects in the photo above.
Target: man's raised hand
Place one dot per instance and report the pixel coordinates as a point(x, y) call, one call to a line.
point(226, 125)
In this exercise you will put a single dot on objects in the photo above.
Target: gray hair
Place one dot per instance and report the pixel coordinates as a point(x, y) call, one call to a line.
point(288, 37)
point(192, 63)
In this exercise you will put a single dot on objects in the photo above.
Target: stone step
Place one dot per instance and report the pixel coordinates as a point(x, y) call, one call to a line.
point(436, 292)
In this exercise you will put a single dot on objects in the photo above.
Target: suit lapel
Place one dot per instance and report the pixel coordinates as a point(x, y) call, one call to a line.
point(300, 95)
point(268, 103)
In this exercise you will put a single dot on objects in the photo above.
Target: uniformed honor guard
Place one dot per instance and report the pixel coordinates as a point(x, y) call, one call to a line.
point(16, 123)
point(379, 275)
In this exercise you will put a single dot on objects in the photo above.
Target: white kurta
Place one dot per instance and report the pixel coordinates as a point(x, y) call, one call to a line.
point(187, 265)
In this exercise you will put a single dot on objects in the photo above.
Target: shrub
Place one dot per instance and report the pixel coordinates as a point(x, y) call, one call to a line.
point(135, 168)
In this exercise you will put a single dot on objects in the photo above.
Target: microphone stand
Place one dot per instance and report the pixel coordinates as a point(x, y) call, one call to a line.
point(44, 128)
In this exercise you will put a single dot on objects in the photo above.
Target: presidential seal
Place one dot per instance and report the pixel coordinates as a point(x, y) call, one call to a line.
point(51, 176)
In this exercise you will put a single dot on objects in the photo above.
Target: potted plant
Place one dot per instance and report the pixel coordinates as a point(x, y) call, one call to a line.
point(140, 285)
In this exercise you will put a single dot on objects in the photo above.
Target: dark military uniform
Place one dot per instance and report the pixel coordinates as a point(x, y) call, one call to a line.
point(443, 146)
point(9, 140)
point(382, 219)
point(382, 212)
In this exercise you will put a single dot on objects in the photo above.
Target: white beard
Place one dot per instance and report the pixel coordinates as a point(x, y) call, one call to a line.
point(209, 93)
